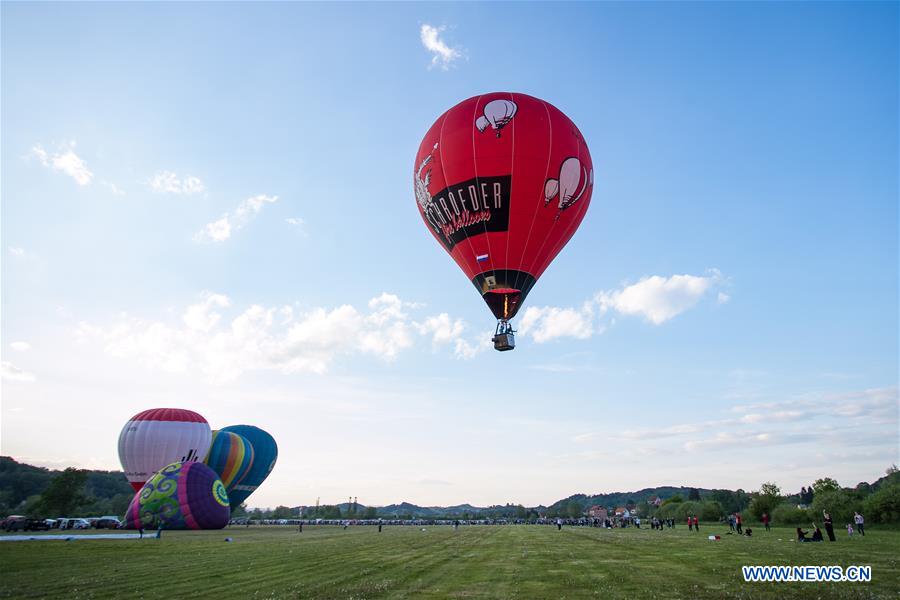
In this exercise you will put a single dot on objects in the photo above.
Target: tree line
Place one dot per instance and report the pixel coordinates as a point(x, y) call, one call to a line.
point(40, 492)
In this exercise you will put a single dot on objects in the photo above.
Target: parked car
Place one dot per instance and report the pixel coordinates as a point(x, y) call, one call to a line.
point(108, 523)
point(35, 525)
point(14, 523)
point(74, 523)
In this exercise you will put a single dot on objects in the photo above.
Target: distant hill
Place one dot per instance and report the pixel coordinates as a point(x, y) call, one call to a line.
point(616, 499)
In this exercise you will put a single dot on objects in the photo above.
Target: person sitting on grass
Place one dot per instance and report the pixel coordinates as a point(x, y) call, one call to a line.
point(749, 532)
point(817, 534)
point(801, 535)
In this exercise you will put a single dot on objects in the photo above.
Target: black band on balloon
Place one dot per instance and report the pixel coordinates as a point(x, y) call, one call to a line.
point(504, 290)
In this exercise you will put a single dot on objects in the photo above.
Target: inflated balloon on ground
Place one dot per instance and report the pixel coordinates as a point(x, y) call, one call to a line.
point(265, 453)
point(231, 457)
point(157, 437)
point(183, 495)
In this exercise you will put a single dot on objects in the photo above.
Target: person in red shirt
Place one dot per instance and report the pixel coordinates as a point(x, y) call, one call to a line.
point(765, 520)
point(696, 523)
point(737, 523)
point(690, 523)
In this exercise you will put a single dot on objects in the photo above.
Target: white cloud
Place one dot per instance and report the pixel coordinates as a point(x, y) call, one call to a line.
point(222, 228)
point(113, 188)
point(659, 299)
point(442, 54)
point(65, 161)
point(16, 251)
point(274, 338)
point(445, 330)
point(200, 317)
point(549, 322)
point(297, 223)
point(723, 298)
point(10, 372)
point(167, 182)
point(20, 346)
point(655, 298)
point(725, 438)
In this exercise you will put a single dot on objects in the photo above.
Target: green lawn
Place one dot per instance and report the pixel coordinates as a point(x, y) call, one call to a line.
point(406, 562)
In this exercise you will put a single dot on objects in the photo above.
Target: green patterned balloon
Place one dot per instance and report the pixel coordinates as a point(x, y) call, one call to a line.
point(185, 495)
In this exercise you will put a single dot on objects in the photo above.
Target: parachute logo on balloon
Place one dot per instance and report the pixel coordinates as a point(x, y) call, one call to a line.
point(497, 114)
point(573, 180)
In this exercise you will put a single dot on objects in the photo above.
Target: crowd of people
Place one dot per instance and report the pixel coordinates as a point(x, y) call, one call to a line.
point(735, 524)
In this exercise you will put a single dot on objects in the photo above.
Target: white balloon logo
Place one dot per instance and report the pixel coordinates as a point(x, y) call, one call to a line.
point(550, 190)
point(497, 114)
point(573, 180)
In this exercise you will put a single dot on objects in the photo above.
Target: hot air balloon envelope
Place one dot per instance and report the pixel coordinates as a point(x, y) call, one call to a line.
point(230, 456)
point(157, 437)
point(265, 453)
point(487, 199)
point(183, 495)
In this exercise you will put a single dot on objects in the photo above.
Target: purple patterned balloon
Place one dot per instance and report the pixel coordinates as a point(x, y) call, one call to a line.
point(183, 495)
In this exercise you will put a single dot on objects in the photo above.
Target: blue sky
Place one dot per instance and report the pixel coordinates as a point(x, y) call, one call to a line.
point(210, 206)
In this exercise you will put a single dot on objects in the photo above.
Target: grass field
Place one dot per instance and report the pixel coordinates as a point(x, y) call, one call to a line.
point(406, 562)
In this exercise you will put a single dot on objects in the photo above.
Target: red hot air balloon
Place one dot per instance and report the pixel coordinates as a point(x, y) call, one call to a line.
point(503, 206)
point(157, 437)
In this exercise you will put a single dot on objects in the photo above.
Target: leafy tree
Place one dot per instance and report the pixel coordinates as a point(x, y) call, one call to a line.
point(672, 500)
point(770, 489)
point(65, 493)
point(826, 484)
point(708, 510)
point(574, 510)
point(371, 512)
point(841, 504)
point(694, 494)
point(281, 512)
point(789, 514)
point(884, 505)
point(765, 501)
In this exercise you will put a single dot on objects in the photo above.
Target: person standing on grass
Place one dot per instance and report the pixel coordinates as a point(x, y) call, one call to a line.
point(696, 523)
point(765, 520)
point(300, 528)
point(860, 523)
point(829, 526)
point(690, 523)
point(737, 524)
point(559, 524)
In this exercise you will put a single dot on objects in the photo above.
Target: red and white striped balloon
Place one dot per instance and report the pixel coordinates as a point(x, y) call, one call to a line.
point(157, 437)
